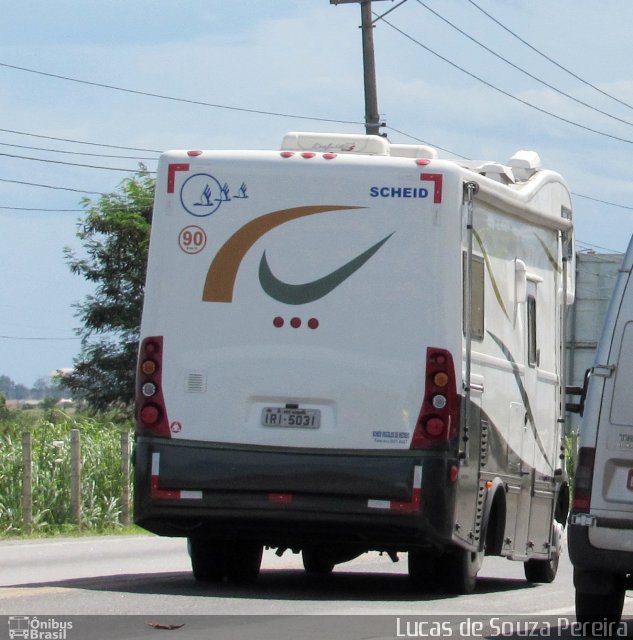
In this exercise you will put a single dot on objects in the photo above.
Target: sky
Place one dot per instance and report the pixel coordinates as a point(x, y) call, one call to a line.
point(478, 79)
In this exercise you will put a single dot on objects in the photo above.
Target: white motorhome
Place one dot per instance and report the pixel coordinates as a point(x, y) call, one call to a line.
point(351, 345)
point(601, 521)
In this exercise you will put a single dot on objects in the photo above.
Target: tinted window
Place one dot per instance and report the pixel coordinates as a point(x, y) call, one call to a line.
point(531, 322)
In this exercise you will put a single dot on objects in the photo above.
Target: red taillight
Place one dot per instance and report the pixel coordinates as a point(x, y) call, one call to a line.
point(583, 478)
point(151, 416)
point(435, 426)
point(438, 421)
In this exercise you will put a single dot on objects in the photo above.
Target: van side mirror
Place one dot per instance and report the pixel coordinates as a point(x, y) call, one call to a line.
point(578, 407)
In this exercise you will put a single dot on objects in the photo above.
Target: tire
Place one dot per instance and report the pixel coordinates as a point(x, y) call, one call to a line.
point(541, 570)
point(422, 565)
point(597, 607)
point(545, 570)
point(207, 560)
point(316, 561)
point(458, 570)
point(243, 561)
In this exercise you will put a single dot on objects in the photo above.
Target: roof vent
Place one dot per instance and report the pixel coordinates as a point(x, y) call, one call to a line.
point(524, 164)
point(497, 172)
point(336, 143)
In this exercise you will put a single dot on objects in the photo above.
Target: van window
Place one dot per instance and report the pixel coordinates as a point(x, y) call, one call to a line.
point(622, 404)
point(531, 331)
point(477, 306)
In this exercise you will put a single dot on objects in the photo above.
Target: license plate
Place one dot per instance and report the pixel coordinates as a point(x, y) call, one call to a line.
point(285, 417)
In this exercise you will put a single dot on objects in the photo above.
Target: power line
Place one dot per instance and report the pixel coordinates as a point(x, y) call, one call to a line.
point(36, 338)
point(524, 71)
point(407, 135)
point(586, 246)
point(292, 115)
point(611, 204)
point(75, 153)
point(549, 59)
point(48, 186)
point(68, 164)
point(40, 209)
point(175, 99)
point(92, 144)
point(412, 137)
point(502, 91)
point(573, 193)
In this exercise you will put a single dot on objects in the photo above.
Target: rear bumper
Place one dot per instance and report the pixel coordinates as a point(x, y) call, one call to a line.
point(587, 557)
point(293, 497)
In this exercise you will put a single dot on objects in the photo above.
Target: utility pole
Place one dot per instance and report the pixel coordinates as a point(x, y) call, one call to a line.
point(372, 125)
point(372, 117)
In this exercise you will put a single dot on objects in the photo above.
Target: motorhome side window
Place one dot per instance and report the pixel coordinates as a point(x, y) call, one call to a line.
point(531, 327)
point(477, 300)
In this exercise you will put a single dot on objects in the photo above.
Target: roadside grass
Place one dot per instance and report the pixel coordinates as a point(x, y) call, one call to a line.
point(101, 478)
point(73, 531)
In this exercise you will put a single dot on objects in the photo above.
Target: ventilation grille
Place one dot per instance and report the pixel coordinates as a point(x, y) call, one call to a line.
point(196, 382)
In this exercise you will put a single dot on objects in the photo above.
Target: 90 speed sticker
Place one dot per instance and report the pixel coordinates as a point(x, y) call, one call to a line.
point(192, 239)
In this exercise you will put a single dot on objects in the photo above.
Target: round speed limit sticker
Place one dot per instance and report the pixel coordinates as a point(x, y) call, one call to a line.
point(192, 239)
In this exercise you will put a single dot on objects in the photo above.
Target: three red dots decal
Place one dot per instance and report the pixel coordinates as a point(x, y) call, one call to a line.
point(295, 323)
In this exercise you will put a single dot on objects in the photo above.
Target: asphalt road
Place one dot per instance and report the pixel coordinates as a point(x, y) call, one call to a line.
point(145, 586)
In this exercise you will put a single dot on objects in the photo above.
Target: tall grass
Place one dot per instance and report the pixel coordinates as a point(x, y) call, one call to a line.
point(101, 480)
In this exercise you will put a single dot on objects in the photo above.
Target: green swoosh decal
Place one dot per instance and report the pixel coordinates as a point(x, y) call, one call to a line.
point(524, 395)
point(311, 291)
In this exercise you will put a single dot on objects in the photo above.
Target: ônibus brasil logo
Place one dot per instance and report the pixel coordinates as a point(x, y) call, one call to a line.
point(38, 628)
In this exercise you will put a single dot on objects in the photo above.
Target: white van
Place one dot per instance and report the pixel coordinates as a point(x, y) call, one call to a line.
point(349, 345)
point(601, 523)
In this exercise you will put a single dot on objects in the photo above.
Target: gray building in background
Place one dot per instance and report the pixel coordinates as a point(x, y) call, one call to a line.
point(595, 278)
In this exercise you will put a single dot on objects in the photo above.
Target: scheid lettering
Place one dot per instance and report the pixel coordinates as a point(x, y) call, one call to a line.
point(398, 192)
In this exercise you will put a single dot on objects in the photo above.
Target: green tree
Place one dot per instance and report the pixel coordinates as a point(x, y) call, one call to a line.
point(47, 387)
point(6, 386)
point(13, 391)
point(115, 238)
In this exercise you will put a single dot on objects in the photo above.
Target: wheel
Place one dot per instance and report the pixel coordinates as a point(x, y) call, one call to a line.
point(545, 570)
point(207, 560)
point(317, 561)
point(422, 565)
point(541, 570)
point(458, 570)
point(597, 607)
point(243, 561)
